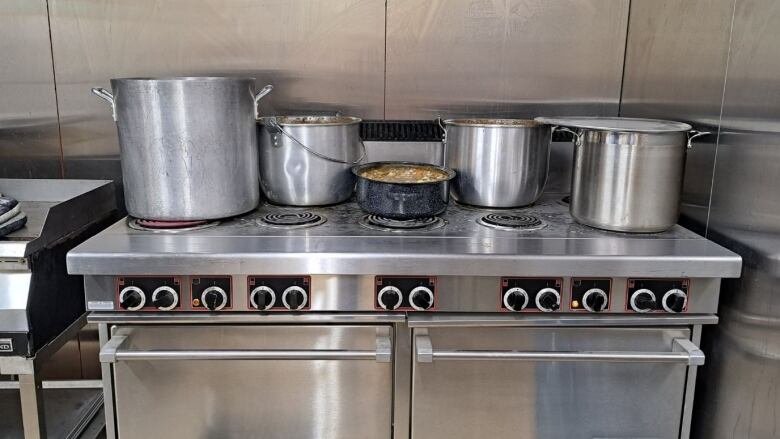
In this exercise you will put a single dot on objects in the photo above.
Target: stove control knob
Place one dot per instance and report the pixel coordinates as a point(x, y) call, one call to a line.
point(294, 298)
point(132, 298)
point(674, 301)
point(595, 300)
point(389, 298)
point(515, 299)
point(421, 298)
point(643, 300)
point(262, 298)
point(165, 298)
point(548, 300)
point(214, 298)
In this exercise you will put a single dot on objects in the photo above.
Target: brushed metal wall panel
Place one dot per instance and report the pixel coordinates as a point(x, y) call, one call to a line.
point(517, 58)
point(29, 135)
point(747, 172)
point(738, 395)
point(322, 55)
point(675, 69)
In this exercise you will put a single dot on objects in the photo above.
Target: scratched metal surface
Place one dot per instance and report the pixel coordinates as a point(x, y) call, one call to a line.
point(344, 220)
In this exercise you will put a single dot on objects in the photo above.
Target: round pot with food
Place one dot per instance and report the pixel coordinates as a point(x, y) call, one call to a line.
point(403, 190)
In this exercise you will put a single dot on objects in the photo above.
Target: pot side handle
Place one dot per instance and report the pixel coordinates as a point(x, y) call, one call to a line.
point(260, 95)
point(692, 134)
point(104, 94)
point(577, 136)
point(440, 122)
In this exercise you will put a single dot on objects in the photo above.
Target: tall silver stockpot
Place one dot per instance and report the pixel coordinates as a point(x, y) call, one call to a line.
point(188, 145)
point(307, 160)
point(628, 173)
point(499, 162)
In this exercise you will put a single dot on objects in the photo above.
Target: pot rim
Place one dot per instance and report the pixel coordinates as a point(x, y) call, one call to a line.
point(184, 78)
point(362, 167)
point(325, 120)
point(598, 123)
point(495, 123)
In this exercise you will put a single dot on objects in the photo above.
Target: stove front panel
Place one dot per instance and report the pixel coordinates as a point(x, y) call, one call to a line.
point(474, 294)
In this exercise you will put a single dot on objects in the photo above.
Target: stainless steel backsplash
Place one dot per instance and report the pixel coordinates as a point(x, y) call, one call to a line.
point(376, 59)
point(407, 59)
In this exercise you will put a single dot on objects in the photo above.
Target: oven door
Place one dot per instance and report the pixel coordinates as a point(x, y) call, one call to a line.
point(550, 383)
point(251, 381)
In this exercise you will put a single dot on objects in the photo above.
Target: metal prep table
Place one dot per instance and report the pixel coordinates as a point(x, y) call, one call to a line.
point(41, 306)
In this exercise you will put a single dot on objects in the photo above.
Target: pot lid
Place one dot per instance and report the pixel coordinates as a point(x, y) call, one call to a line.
point(617, 124)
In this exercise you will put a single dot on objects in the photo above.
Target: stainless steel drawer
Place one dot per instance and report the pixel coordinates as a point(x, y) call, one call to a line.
point(252, 381)
point(550, 383)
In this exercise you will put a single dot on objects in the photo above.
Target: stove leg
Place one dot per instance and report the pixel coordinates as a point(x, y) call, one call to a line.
point(402, 381)
point(31, 396)
point(690, 387)
point(108, 385)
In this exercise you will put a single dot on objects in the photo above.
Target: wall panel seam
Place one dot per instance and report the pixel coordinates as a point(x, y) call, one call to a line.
point(625, 59)
point(56, 95)
point(720, 120)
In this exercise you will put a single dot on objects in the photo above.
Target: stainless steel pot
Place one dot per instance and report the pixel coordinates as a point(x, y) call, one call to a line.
point(499, 162)
point(307, 160)
point(628, 173)
point(188, 145)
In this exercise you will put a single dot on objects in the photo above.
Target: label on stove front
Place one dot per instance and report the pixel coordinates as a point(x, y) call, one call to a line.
point(6, 345)
point(100, 305)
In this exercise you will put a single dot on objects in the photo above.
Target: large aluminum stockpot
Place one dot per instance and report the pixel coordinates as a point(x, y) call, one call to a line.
point(499, 162)
point(307, 160)
point(188, 145)
point(628, 173)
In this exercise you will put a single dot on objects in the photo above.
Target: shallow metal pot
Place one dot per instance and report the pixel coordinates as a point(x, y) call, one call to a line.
point(402, 201)
point(188, 145)
point(628, 179)
point(499, 162)
point(306, 160)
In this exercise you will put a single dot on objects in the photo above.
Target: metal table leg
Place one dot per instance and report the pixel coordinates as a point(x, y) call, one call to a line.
point(31, 396)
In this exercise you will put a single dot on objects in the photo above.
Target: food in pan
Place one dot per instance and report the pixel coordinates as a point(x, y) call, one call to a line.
point(405, 174)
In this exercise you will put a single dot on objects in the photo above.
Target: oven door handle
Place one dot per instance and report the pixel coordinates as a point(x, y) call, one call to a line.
point(113, 351)
point(683, 351)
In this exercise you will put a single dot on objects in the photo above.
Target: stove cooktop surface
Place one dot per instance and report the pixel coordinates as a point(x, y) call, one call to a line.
point(347, 220)
point(342, 239)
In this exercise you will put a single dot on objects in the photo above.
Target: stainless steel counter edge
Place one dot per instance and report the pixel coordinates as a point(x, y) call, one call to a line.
point(239, 318)
point(759, 249)
point(472, 319)
point(414, 320)
point(719, 263)
point(61, 198)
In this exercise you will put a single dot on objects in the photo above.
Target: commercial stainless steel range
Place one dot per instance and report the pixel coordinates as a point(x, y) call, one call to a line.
point(291, 323)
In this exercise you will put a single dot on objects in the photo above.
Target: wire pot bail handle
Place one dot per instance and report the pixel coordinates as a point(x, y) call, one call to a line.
point(577, 136)
point(692, 134)
point(277, 128)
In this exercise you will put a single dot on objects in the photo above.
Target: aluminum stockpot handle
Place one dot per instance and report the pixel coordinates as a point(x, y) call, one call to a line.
point(692, 134)
point(113, 352)
point(260, 95)
point(684, 352)
point(108, 97)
